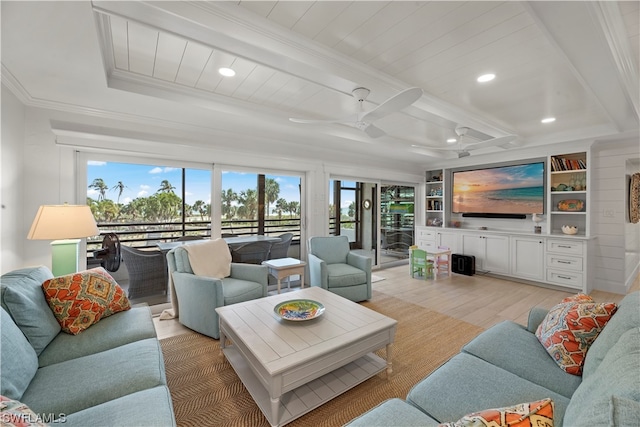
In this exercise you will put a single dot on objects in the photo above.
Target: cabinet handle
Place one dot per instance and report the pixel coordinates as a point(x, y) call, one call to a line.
point(564, 246)
point(565, 277)
point(563, 262)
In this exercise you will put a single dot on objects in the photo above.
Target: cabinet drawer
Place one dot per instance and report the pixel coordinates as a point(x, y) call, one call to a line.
point(563, 262)
point(565, 247)
point(565, 278)
point(426, 235)
point(427, 245)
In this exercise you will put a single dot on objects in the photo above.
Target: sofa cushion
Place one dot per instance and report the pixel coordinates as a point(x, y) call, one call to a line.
point(237, 290)
point(22, 297)
point(81, 299)
point(341, 275)
point(393, 412)
point(617, 376)
point(467, 384)
point(151, 407)
point(81, 383)
point(538, 413)
point(513, 348)
point(627, 317)
point(210, 258)
point(569, 329)
point(121, 328)
point(18, 360)
point(17, 414)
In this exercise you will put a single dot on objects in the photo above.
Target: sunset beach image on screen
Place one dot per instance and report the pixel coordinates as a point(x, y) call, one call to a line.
point(517, 189)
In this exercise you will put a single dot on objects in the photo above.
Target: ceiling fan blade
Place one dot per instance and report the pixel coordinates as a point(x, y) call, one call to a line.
point(501, 141)
point(312, 121)
point(374, 131)
point(396, 103)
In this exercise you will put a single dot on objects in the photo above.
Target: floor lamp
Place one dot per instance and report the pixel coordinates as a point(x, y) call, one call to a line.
point(65, 225)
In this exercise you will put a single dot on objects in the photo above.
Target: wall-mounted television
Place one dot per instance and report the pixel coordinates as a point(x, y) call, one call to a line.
point(512, 191)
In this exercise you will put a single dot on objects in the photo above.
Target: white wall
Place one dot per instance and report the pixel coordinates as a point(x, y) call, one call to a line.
point(11, 182)
point(617, 247)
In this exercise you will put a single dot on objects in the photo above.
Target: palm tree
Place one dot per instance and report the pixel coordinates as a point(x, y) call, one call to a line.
point(228, 197)
point(248, 200)
point(200, 207)
point(281, 206)
point(120, 187)
point(271, 192)
point(99, 185)
point(293, 208)
point(166, 187)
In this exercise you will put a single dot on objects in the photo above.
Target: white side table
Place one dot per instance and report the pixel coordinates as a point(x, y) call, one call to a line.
point(286, 267)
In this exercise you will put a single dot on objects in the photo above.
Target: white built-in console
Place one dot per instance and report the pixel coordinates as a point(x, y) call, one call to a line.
point(516, 251)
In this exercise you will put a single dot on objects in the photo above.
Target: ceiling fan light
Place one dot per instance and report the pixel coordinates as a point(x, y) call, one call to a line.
point(548, 120)
point(451, 141)
point(227, 72)
point(486, 78)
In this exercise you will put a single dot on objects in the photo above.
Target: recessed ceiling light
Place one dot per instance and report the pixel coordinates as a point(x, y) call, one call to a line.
point(451, 140)
point(486, 78)
point(227, 72)
point(548, 120)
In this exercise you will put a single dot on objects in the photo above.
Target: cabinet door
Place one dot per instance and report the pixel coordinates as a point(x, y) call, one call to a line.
point(474, 244)
point(450, 240)
point(496, 258)
point(527, 258)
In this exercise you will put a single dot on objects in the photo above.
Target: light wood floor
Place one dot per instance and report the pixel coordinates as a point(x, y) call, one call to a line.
point(479, 300)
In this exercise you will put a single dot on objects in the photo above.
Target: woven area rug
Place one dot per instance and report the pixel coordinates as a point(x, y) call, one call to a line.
point(206, 391)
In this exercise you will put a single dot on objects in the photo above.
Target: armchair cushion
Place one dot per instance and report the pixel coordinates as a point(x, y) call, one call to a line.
point(331, 250)
point(341, 275)
point(211, 258)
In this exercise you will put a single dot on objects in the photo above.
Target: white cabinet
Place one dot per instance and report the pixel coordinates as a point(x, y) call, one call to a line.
point(566, 263)
point(527, 257)
point(491, 251)
point(426, 238)
point(448, 239)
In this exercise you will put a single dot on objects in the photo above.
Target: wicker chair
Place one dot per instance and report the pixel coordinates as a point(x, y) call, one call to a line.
point(251, 253)
point(281, 248)
point(147, 272)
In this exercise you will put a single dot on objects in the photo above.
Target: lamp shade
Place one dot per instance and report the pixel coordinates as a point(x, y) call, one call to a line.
point(53, 222)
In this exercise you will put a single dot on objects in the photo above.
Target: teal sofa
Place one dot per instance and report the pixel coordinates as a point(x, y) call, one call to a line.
point(112, 374)
point(507, 365)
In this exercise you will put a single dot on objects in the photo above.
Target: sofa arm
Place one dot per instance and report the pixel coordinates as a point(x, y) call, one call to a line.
point(318, 274)
point(536, 316)
point(250, 272)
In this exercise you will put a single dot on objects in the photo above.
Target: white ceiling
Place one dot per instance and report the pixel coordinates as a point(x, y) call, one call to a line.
point(157, 62)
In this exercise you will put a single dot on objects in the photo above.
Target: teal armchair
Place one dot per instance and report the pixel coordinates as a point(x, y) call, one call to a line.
point(333, 267)
point(199, 296)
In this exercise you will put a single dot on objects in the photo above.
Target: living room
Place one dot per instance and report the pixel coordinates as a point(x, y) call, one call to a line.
point(66, 95)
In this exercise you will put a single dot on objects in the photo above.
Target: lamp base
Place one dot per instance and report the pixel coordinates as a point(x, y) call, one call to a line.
point(64, 256)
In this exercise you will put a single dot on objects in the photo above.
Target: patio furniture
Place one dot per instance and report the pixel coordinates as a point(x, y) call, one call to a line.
point(251, 253)
point(147, 271)
point(334, 267)
point(281, 249)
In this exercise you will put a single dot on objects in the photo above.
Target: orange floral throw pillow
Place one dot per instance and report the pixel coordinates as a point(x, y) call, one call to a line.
point(538, 414)
point(569, 329)
point(81, 299)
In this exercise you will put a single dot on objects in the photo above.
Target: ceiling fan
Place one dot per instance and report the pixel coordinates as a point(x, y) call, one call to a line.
point(463, 150)
point(363, 120)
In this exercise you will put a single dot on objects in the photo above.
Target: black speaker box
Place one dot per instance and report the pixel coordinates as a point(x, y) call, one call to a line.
point(463, 264)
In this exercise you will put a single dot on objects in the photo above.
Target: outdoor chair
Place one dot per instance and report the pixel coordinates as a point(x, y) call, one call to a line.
point(281, 249)
point(334, 267)
point(199, 296)
point(147, 271)
point(251, 253)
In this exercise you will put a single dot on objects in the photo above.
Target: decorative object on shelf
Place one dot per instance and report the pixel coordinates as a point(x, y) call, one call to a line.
point(569, 229)
point(571, 205)
point(537, 219)
point(437, 222)
point(634, 198)
point(561, 187)
point(456, 224)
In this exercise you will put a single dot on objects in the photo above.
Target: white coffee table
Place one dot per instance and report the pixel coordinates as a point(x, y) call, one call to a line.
point(286, 267)
point(290, 368)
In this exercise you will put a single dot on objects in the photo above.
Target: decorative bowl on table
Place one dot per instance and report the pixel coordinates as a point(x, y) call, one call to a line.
point(569, 229)
point(298, 310)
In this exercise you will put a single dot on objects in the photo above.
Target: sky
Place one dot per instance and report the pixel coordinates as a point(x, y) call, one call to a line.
point(145, 180)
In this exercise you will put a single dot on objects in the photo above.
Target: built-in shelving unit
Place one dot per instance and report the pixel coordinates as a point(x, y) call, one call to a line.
point(568, 192)
point(435, 200)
